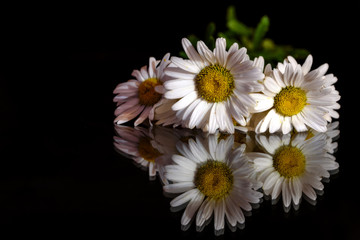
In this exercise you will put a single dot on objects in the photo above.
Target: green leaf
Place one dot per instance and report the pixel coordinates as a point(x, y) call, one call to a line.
point(193, 39)
point(238, 27)
point(260, 31)
point(231, 13)
point(210, 30)
point(183, 54)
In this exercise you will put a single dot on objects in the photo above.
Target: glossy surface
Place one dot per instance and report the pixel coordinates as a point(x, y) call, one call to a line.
point(60, 174)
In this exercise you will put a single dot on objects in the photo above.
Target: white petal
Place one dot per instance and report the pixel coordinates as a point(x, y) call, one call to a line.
point(186, 65)
point(286, 125)
point(192, 53)
point(220, 51)
point(275, 123)
point(296, 190)
point(179, 93)
point(266, 122)
point(185, 101)
point(184, 162)
point(219, 215)
point(184, 198)
point(298, 123)
point(191, 208)
point(197, 114)
point(212, 120)
point(272, 85)
point(286, 194)
point(271, 180)
point(205, 52)
point(179, 187)
point(277, 188)
point(307, 64)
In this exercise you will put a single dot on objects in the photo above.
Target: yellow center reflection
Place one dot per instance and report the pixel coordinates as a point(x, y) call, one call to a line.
point(214, 179)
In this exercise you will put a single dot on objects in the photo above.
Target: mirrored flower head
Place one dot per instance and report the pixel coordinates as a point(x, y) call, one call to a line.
point(212, 179)
point(293, 165)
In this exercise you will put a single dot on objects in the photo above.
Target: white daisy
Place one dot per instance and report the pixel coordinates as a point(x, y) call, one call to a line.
point(293, 165)
point(142, 95)
point(212, 86)
point(212, 178)
point(296, 97)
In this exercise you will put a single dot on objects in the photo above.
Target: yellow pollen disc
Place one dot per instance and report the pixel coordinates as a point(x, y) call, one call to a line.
point(289, 161)
point(214, 83)
point(147, 151)
point(290, 101)
point(147, 94)
point(214, 179)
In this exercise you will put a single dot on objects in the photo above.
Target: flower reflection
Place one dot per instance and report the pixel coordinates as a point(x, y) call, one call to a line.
point(294, 164)
point(224, 176)
point(213, 179)
point(150, 148)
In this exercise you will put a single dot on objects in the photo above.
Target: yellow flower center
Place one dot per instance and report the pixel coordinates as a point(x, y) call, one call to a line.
point(289, 161)
point(147, 94)
point(214, 179)
point(147, 151)
point(214, 83)
point(290, 101)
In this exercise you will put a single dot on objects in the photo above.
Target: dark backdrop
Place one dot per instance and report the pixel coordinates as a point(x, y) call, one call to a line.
point(59, 173)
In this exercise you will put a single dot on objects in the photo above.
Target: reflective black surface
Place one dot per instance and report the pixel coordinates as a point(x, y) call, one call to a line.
point(60, 174)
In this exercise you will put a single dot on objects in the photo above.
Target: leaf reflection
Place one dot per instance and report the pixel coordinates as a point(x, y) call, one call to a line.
point(220, 178)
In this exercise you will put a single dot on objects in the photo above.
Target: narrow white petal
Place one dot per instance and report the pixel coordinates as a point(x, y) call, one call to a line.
point(185, 101)
point(307, 64)
point(286, 194)
point(184, 198)
point(184, 162)
point(205, 52)
point(179, 187)
point(219, 215)
point(192, 53)
point(179, 93)
point(191, 208)
point(286, 125)
point(275, 123)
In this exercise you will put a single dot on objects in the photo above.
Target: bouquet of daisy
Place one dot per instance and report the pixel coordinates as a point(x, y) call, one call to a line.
point(223, 89)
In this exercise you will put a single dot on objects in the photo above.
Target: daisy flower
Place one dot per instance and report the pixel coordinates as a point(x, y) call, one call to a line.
point(141, 96)
point(296, 97)
point(212, 87)
point(212, 178)
point(293, 165)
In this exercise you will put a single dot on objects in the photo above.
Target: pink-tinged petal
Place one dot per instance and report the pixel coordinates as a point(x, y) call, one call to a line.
point(137, 74)
point(127, 105)
point(144, 115)
point(129, 115)
point(144, 72)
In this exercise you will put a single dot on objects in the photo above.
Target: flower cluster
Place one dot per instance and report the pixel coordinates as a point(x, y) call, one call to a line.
point(224, 176)
point(225, 90)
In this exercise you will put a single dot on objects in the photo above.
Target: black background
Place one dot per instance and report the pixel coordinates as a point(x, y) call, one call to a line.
point(59, 173)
